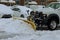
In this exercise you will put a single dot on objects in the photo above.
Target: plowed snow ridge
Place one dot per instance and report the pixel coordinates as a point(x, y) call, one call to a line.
point(19, 30)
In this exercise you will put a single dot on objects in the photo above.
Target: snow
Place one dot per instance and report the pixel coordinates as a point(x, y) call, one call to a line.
point(5, 10)
point(11, 1)
point(37, 7)
point(13, 25)
point(32, 2)
point(13, 29)
point(50, 35)
point(23, 10)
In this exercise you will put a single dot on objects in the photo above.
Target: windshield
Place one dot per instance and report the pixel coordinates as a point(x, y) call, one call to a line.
point(51, 5)
point(54, 5)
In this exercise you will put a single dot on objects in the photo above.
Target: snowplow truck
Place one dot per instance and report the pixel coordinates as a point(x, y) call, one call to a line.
point(48, 16)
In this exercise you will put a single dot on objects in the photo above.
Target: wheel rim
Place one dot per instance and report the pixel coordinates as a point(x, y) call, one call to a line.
point(53, 25)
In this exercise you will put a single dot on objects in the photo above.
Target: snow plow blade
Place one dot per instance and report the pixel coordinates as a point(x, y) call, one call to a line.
point(32, 24)
point(27, 21)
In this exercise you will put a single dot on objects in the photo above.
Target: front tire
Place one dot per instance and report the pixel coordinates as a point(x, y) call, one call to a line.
point(52, 25)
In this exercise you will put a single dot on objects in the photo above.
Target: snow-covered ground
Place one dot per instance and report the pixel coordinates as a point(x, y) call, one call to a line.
point(5, 9)
point(11, 29)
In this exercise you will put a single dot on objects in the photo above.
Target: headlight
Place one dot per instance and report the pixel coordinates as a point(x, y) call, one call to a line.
point(45, 15)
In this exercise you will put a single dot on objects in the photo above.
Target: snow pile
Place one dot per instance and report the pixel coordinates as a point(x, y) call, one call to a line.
point(39, 35)
point(37, 7)
point(33, 3)
point(11, 29)
point(14, 26)
point(48, 35)
point(23, 10)
point(5, 10)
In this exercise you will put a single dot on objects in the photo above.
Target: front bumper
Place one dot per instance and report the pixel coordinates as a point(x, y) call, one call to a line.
point(41, 20)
